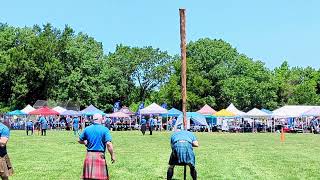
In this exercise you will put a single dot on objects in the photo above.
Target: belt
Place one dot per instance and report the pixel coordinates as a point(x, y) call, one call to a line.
point(95, 151)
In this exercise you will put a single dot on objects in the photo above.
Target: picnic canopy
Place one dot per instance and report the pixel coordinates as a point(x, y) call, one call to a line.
point(126, 110)
point(16, 113)
point(70, 113)
point(292, 111)
point(224, 113)
point(153, 109)
point(267, 111)
point(236, 111)
point(207, 110)
point(312, 112)
point(257, 113)
point(118, 115)
point(196, 117)
point(28, 109)
point(44, 111)
point(59, 109)
point(173, 112)
point(91, 110)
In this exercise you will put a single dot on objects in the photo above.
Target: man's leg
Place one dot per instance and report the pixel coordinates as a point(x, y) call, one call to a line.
point(41, 132)
point(27, 132)
point(193, 172)
point(170, 172)
point(45, 132)
point(5, 178)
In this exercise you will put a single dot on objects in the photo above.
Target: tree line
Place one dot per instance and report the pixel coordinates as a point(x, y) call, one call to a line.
point(59, 65)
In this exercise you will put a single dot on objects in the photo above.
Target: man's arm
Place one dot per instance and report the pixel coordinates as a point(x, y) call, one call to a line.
point(3, 141)
point(195, 144)
point(111, 152)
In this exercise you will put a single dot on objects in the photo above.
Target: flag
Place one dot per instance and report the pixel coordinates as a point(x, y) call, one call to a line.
point(141, 106)
point(116, 106)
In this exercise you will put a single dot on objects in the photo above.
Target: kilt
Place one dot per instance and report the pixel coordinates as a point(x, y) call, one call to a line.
point(95, 166)
point(5, 166)
point(143, 128)
point(182, 153)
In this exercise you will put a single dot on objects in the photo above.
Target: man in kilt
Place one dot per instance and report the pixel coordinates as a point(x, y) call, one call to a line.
point(6, 169)
point(143, 125)
point(182, 152)
point(96, 138)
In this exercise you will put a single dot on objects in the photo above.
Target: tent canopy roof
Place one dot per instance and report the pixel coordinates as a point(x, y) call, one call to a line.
point(59, 109)
point(207, 110)
point(126, 110)
point(224, 113)
point(16, 113)
point(257, 113)
point(70, 113)
point(196, 117)
point(315, 111)
point(236, 111)
point(174, 112)
point(44, 111)
point(292, 111)
point(91, 110)
point(118, 115)
point(153, 109)
point(267, 111)
point(28, 109)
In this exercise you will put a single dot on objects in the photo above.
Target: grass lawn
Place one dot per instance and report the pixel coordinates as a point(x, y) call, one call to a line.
point(220, 156)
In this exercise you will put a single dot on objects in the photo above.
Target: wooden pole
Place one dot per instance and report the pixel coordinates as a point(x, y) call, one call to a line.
point(183, 65)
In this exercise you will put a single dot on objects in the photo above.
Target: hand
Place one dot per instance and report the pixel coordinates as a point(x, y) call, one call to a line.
point(113, 159)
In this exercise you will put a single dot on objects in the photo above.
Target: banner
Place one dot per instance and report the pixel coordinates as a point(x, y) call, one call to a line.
point(116, 106)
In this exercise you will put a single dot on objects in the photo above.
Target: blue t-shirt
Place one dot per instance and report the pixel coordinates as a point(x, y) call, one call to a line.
point(182, 135)
point(151, 122)
point(43, 122)
point(143, 122)
point(97, 136)
point(4, 132)
point(29, 124)
point(76, 122)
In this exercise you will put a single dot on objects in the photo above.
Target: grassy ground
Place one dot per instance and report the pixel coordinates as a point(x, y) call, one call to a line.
point(220, 156)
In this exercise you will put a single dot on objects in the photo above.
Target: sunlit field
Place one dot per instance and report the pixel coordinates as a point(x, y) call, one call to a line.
point(220, 156)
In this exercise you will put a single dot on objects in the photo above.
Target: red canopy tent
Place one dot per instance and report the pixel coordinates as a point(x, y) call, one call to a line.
point(44, 111)
point(207, 110)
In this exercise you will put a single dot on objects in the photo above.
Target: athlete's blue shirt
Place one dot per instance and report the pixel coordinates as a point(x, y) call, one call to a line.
point(4, 132)
point(183, 135)
point(143, 122)
point(43, 122)
point(97, 136)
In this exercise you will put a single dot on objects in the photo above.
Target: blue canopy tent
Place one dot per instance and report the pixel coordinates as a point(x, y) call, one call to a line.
point(70, 113)
point(197, 118)
point(91, 110)
point(173, 112)
point(16, 113)
point(267, 111)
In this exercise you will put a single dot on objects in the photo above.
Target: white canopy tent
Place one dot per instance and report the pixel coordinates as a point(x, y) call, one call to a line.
point(59, 109)
point(153, 109)
point(256, 113)
point(28, 109)
point(292, 111)
point(236, 111)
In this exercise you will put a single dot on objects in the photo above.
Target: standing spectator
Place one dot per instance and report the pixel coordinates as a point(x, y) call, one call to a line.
point(143, 125)
point(29, 126)
point(108, 123)
point(151, 124)
point(44, 125)
point(75, 125)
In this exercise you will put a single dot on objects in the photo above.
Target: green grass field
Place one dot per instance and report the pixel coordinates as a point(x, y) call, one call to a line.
point(220, 156)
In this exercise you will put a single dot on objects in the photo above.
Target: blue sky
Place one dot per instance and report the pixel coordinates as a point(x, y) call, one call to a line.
point(271, 30)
